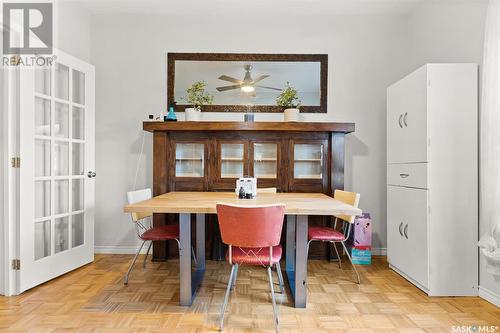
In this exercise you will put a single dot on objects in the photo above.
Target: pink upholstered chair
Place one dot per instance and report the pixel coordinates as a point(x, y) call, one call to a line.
point(145, 230)
point(332, 235)
point(253, 236)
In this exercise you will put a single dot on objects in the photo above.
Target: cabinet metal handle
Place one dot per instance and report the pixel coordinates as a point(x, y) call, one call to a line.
point(91, 174)
point(404, 175)
point(405, 119)
point(400, 225)
point(400, 116)
point(405, 231)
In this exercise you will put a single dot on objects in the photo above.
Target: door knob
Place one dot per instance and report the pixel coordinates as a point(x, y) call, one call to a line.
point(91, 174)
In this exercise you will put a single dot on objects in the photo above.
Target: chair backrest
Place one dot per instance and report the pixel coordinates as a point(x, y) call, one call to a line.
point(257, 226)
point(137, 196)
point(267, 190)
point(350, 198)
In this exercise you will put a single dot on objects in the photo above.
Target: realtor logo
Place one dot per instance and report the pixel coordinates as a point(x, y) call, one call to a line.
point(29, 28)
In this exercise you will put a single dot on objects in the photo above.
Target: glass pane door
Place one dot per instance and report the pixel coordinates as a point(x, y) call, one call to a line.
point(265, 160)
point(59, 160)
point(189, 160)
point(232, 160)
point(56, 150)
point(308, 161)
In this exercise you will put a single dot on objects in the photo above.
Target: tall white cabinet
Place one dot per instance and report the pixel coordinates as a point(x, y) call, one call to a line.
point(432, 178)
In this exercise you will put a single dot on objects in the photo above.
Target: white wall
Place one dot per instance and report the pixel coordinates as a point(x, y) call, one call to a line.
point(453, 32)
point(447, 31)
point(72, 29)
point(366, 54)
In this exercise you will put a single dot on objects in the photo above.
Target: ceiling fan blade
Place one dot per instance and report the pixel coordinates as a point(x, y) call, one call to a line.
point(236, 86)
point(260, 78)
point(278, 89)
point(230, 79)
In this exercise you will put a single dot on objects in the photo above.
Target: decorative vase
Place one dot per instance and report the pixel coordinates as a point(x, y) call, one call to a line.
point(292, 115)
point(193, 114)
point(171, 114)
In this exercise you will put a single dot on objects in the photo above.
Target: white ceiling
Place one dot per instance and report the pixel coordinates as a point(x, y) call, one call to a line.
point(287, 7)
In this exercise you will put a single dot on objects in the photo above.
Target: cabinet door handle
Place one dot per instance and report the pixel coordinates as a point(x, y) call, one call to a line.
point(405, 119)
point(405, 231)
point(400, 124)
point(404, 175)
point(400, 225)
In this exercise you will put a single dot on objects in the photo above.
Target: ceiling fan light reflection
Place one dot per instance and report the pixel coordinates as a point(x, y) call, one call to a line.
point(247, 89)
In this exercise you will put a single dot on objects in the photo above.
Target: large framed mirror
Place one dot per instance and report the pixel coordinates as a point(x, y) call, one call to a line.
point(240, 81)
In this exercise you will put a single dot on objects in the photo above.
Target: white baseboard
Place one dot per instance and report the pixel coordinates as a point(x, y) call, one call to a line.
point(119, 249)
point(490, 296)
point(379, 251)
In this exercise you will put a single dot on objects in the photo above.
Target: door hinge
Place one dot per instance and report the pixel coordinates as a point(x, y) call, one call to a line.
point(15, 60)
point(16, 264)
point(15, 162)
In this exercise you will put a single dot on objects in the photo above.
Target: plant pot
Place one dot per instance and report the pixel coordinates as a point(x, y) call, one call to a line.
point(193, 114)
point(291, 115)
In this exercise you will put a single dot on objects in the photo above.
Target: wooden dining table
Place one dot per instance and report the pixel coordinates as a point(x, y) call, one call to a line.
point(298, 206)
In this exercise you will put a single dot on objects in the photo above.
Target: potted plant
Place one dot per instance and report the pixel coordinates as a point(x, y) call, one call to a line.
point(196, 96)
point(289, 99)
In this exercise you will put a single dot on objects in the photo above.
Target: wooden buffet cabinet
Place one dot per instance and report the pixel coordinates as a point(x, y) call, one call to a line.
point(210, 156)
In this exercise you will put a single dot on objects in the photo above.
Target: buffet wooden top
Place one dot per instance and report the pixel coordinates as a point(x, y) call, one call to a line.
point(205, 202)
point(156, 126)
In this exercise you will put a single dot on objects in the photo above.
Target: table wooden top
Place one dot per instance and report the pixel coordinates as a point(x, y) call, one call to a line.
point(205, 202)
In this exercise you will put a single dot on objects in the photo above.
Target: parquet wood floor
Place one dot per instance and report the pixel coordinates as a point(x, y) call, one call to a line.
point(94, 299)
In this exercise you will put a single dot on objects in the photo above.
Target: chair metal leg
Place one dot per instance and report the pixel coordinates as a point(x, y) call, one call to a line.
point(133, 262)
point(269, 274)
point(307, 252)
point(194, 256)
point(233, 283)
point(146, 257)
point(226, 298)
point(338, 256)
point(350, 259)
point(280, 277)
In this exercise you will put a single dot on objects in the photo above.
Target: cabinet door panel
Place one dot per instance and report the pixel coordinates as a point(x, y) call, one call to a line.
point(397, 249)
point(231, 162)
point(308, 167)
point(266, 163)
point(407, 245)
point(188, 165)
point(407, 119)
point(416, 234)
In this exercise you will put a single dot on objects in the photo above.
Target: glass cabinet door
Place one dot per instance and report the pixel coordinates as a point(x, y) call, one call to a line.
point(232, 160)
point(189, 160)
point(308, 161)
point(265, 160)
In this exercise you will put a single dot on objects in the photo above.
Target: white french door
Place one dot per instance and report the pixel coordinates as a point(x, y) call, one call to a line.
point(56, 145)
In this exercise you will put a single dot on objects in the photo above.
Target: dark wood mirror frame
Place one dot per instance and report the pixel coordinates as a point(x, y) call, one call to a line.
point(321, 58)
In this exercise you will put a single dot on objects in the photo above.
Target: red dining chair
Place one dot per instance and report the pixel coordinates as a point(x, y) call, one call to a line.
point(145, 230)
point(332, 235)
point(253, 235)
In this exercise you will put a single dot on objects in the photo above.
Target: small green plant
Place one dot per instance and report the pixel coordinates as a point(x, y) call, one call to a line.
point(197, 96)
point(289, 97)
